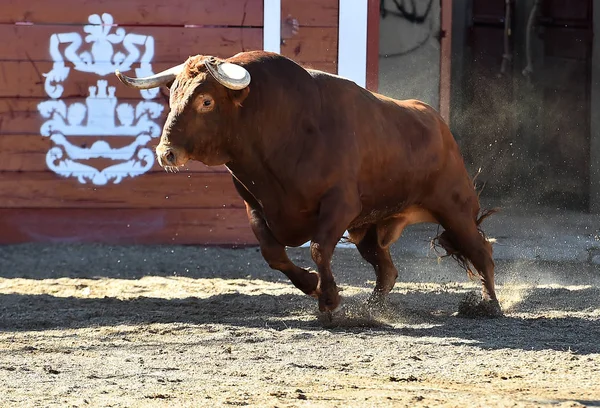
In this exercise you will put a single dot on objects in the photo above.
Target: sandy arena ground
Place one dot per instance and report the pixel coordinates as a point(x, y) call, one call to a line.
point(102, 326)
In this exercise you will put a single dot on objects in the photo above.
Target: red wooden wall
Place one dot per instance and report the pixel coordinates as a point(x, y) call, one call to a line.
point(196, 206)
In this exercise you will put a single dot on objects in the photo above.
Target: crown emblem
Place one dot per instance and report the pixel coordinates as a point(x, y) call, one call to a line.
point(101, 114)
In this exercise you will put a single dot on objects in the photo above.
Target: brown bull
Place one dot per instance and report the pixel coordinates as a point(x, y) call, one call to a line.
point(314, 155)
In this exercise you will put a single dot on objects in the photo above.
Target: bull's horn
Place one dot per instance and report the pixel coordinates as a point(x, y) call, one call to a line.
point(153, 81)
point(229, 75)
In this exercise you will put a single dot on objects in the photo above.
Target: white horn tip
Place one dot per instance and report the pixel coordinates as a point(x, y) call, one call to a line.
point(124, 79)
point(119, 75)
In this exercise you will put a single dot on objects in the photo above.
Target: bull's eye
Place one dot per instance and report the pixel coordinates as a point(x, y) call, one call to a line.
point(204, 103)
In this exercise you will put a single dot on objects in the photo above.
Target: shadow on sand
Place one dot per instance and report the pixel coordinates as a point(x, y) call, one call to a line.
point(544, 318)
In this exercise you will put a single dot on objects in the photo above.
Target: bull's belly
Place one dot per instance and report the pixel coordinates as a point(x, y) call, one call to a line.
point(412, 214)
point(293, 229)
point(292, 237)
point(290, 230)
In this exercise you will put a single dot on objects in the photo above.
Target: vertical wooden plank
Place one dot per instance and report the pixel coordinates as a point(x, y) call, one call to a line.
point(311, 13)
point(446, 59)
point(458, 78)
point(594, 199)
point(373, 45)
point(352, 44)
point(272, 25)
point(309, 33)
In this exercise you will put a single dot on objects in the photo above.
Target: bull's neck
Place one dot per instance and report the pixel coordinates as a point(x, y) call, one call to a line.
point(256, 144)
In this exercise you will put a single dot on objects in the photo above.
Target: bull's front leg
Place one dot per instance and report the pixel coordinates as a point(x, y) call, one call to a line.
point(274, 253)
point(337, 209)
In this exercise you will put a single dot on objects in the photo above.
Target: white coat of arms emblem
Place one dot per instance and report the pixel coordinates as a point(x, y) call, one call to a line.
point(101, 114)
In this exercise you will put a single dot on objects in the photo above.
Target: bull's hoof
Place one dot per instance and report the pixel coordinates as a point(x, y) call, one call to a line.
point(329, 300)
point(474, 306)
point(333, 318)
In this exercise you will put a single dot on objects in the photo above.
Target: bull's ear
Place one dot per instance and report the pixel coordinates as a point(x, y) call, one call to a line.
point(239, 96)
point(169, 84)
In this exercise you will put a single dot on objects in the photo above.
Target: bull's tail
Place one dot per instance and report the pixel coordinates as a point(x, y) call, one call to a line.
point(445, 240)
point(485, 213)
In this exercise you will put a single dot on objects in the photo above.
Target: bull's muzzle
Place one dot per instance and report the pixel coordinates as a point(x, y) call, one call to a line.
point(169, 157)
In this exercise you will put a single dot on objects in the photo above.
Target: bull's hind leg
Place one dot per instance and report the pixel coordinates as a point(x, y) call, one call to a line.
point(274, 253)
point(379, 257)
point(463, 239)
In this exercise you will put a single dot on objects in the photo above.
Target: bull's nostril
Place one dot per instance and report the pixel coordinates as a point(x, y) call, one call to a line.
point(170, 157)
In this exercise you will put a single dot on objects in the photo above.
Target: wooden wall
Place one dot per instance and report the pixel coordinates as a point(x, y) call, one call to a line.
point(196, 206)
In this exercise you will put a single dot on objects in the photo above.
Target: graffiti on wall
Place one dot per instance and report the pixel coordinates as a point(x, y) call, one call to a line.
point(104, 49)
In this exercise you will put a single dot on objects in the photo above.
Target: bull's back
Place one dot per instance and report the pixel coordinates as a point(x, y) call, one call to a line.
point(408, 133)
point(398, 148)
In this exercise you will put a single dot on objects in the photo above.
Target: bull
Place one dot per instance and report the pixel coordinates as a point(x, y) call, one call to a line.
point(314, 155)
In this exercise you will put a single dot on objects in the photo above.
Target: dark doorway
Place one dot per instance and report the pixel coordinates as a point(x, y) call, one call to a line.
point(521, 101)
